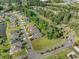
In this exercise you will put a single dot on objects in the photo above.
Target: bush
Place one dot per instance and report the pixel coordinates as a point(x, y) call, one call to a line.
point(1, 8)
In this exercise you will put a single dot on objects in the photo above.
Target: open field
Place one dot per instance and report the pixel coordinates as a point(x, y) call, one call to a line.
point(43, 43)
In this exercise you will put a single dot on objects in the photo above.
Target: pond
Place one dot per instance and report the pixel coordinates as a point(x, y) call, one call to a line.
point(3, 26)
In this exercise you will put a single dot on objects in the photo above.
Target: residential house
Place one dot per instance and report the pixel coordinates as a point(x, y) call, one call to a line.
point(72, 55)
point(34, 31)
point(12, 19)
point(15, 47)
point(27, 20)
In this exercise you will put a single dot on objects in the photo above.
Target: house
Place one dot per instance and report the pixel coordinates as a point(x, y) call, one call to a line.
point(77, 49)
point(12, 19)
point(12, 25)
point(34, 31)
point(2, 19)
point(15, 47)
point(72, 55)
point(27, 19)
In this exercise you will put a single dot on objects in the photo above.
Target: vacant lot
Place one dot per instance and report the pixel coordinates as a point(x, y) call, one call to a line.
point(43, 43)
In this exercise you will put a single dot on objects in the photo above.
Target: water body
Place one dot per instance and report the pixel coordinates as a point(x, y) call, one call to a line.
point(3, 27)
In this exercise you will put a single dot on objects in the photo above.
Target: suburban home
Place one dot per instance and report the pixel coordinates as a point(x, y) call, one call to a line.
point(15, 47)
point(2, 19)
point(27, 20)
point(12, 19)
point(34, 31)
point(72, 55)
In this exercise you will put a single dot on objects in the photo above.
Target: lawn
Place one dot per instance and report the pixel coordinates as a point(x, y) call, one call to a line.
point(77, 40)
point(8, 31)
point(44, 43)
point(60, 55)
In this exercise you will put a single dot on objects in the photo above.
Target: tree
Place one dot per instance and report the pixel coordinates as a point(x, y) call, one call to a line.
point(67, 17)
point(1, 39)
point(50, 33)
point(1, 8)
point(57, 1)
point(54, 32)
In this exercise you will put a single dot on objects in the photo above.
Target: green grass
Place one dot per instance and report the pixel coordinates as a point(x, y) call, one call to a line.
point(77, 40)
point(43, 43)
point(60, 55)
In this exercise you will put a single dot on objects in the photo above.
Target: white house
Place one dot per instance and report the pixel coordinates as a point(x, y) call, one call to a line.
point(77, 49)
